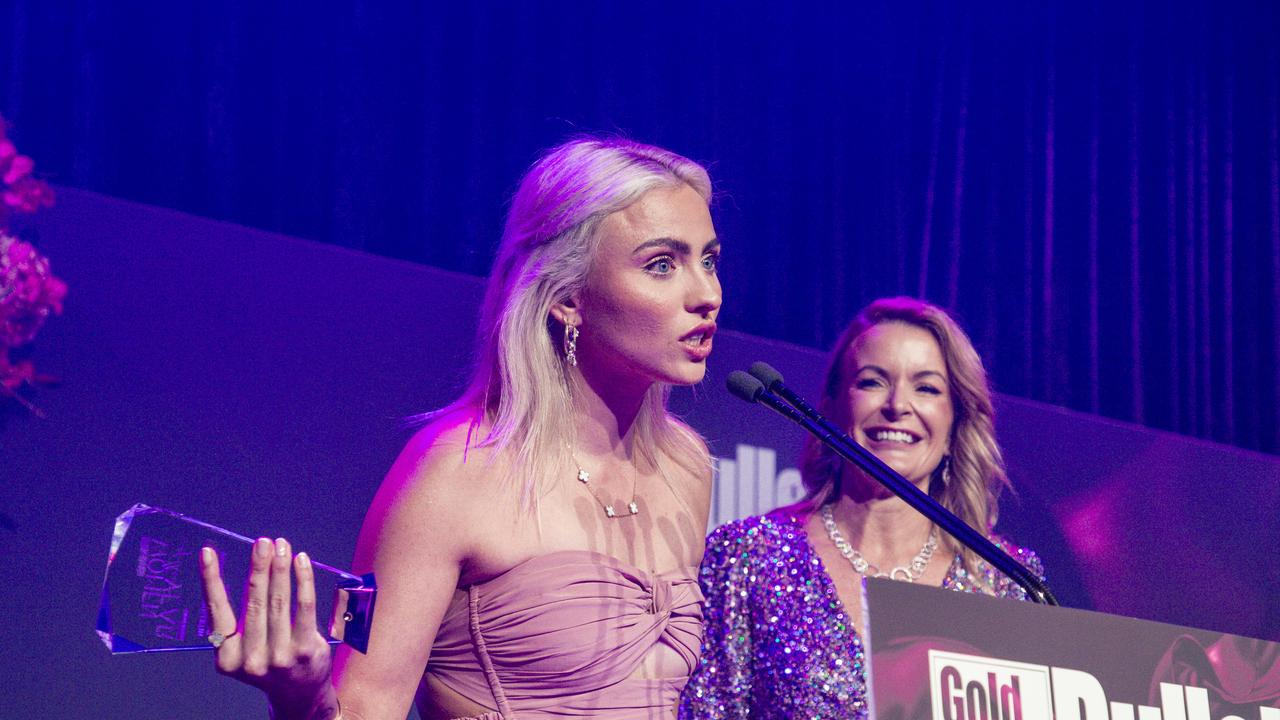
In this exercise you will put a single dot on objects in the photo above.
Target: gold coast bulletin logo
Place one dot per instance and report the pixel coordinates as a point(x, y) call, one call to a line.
point(970, 687)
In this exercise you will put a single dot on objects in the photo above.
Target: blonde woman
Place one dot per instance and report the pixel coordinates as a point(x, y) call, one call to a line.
point(536, 544)
point(783, 615)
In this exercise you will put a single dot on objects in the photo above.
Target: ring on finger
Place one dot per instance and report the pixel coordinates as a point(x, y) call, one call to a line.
point(216, 638)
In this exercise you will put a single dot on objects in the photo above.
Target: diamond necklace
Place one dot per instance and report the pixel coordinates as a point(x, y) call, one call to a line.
point(584, 477)
point(910, 572)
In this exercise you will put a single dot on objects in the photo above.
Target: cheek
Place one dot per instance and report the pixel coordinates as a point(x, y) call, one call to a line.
point(856, 407)
point(943, 420)
point(638, 318)
point(628, 318)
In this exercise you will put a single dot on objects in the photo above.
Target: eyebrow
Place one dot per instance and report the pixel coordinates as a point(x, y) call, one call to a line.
point(679, 246)
point(917, 376)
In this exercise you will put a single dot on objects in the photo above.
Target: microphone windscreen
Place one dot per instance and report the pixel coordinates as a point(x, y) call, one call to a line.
point(744, 386)
point(765, 373)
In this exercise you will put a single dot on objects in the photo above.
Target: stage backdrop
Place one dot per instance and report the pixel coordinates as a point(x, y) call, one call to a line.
point(260, 381)
point(1093, 185)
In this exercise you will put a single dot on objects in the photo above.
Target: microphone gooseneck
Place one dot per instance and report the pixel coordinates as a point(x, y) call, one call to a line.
point(772, 380)
point(764, 385)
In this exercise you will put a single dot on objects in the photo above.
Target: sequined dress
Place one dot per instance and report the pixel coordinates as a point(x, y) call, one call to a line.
point(777, 642)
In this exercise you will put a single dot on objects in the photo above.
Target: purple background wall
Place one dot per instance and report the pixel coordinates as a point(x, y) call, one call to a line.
point(259, 381)
point(1094, 186)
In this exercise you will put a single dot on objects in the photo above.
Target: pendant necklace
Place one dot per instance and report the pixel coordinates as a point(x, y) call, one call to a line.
point(584, 477)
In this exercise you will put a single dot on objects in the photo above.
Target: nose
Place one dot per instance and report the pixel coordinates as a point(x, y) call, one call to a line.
point(896, 404)
point(704, 295)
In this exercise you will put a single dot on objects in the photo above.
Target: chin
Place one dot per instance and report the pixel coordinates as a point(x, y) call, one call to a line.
point(907, 473)
point(691, 376)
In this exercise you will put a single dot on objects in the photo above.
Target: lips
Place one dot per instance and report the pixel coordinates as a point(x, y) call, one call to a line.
point(697, 342)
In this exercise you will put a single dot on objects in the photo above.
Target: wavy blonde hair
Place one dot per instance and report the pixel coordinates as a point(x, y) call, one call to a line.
point(518, 384)
point(976, 464)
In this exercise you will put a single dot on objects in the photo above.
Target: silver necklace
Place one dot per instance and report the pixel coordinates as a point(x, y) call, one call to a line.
point(584, 477)
point(910, 572)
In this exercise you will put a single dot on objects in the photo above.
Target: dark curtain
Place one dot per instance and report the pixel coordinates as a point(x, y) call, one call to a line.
point(1093, 188)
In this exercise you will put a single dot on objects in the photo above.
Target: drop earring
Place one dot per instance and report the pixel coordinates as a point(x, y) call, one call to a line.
point(571, 345)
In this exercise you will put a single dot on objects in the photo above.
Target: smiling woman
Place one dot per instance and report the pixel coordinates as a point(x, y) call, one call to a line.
point(536, 543)
point(783, 619)
point(898, 404)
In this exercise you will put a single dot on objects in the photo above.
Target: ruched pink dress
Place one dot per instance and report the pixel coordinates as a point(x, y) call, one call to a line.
point(561, 635)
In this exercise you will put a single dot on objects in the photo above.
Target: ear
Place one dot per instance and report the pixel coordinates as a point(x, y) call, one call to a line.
point(565, 311)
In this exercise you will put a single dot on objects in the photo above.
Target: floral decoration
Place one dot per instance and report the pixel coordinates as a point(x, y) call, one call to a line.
point(29, 292)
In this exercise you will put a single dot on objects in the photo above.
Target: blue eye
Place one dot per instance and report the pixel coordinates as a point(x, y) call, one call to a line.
point(661, 266)
point(711, 262)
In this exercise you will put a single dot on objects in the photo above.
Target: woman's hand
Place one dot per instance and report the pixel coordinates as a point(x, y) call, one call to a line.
point(288, 660)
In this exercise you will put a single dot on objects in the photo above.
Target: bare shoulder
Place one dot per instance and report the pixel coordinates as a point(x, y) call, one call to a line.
point(702, 473)
point(434, 490)
point(417, 535)
point(443, 457)
point(690, 475)
point(800, 511)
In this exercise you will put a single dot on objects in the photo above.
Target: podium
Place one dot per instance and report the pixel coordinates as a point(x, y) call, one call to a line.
point(945, 655)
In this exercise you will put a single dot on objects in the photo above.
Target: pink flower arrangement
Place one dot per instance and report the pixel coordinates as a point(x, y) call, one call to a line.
point(29, 292)
point(21, 192)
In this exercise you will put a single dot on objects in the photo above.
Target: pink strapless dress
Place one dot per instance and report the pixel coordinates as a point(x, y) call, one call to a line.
point(560, 635)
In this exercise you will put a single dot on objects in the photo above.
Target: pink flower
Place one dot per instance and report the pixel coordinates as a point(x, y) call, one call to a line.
point(19, 167)
point(17, 253)
point(55, 293)
point(24, 193)
point(28, 286)
point(28, 195)
point(28, 292)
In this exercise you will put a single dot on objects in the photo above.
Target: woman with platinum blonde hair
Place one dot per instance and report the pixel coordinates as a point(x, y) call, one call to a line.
point(906, 383)
point(536, 543)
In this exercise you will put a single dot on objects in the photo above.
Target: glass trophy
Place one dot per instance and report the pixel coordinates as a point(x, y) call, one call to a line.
point(152, 599)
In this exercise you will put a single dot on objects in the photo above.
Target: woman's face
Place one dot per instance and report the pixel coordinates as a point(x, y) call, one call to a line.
point(898, 398)
point(648, 309)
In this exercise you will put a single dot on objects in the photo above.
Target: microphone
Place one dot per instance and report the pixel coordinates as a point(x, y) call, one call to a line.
point(772, 379)
point(752, 390)
point(764, 385)
point(744, 386)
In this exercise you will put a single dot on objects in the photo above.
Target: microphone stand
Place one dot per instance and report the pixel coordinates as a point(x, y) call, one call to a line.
point(764, 385)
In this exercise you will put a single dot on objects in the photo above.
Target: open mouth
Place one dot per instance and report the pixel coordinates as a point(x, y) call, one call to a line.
point(696, 339)
point(700, 336)
point(697, 344)
point(887, 435)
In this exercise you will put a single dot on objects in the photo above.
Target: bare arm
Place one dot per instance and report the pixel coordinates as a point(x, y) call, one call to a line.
point(415, 538)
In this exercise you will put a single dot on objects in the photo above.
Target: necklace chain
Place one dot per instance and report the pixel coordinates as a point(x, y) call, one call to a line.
point(584, 477)
point(910, 572)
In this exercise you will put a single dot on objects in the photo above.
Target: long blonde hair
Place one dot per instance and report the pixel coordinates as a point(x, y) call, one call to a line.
point(977, 473)
point(518, 383)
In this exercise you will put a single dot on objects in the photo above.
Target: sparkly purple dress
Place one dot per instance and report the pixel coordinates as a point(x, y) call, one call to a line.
point(776, 642)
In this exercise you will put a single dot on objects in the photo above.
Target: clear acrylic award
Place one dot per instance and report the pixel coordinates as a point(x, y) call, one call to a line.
point(152, 599)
